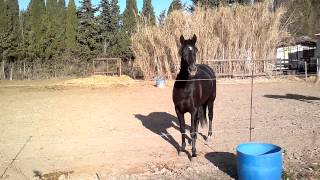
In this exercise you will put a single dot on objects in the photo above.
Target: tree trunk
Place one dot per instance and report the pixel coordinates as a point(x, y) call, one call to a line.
point(2, 69)
point(24, 70)
point(11, 71)
point(55, 69)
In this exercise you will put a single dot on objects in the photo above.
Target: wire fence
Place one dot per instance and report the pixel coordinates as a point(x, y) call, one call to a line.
point(209, 145)
point(230, 68)
point(246, 67)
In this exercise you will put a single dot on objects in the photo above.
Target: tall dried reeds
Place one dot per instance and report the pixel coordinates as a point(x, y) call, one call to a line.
point(223, 33)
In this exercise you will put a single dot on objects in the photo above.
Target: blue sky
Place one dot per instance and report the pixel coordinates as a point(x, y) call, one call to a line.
point(158, 5)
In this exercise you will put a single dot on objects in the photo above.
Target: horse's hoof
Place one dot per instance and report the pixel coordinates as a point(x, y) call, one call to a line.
point(193, 158)
point(189, 141)
point(209, 134)
point(180, 153)
point(182, 149)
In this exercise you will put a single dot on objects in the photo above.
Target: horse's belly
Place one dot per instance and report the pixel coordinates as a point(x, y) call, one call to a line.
point(203, 95)
point(186, 106)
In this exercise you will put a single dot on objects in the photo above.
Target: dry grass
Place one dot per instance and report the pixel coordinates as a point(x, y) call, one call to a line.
point(98, 80)
point(223, 33)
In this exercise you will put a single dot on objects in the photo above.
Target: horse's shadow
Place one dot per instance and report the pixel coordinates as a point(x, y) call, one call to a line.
point(298, 97)
point(159, 123)
point(225, 161)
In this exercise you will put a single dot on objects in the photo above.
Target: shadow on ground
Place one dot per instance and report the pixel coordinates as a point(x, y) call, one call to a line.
point(159, 123)
point(308, 99)
point(225, 161)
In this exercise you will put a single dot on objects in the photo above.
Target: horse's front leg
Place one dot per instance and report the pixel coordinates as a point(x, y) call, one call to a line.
point(182, 130)
point(194, 129)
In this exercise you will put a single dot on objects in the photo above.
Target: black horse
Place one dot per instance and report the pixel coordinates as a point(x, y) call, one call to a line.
point(194, 91)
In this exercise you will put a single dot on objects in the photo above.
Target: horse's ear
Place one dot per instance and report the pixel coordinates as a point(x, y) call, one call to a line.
point(194, 39)
point(181, 39)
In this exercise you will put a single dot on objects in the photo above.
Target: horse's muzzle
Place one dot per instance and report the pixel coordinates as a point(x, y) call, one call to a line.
point(192, 70)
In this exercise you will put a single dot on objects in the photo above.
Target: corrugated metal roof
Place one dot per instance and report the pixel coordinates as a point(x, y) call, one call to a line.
point(303, 39)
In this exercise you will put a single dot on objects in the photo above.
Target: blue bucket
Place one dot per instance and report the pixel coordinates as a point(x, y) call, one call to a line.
point(160, 83)
point(259, 161)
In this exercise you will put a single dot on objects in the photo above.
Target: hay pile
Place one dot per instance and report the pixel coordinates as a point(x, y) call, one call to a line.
point(99, 80)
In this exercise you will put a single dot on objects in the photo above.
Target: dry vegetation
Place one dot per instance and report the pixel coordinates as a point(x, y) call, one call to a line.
point(98, 80)
point(224, 33)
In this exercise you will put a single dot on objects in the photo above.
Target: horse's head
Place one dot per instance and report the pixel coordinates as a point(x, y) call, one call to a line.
point(188, 52)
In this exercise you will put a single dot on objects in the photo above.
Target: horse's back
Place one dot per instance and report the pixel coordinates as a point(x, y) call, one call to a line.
point(207, 69)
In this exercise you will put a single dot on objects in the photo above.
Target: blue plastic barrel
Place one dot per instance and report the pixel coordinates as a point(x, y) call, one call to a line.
point(259, 161)
point(160, 83)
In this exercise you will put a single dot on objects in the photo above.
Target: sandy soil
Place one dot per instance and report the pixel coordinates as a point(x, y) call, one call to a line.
point(113, 132)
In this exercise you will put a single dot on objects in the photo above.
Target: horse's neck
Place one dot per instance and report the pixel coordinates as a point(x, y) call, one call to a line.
point(183, 73)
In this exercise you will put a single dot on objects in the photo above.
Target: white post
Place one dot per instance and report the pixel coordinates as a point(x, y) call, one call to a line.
point(318, 68)
point(306, 69)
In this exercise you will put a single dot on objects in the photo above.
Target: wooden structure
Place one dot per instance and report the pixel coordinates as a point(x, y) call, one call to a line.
point(318, 54)
point(107, 66)
point(294, 56)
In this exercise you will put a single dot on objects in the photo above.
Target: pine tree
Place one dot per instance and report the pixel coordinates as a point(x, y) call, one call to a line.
point(52, 7)
point(162, 17)
point(10, 33)
point(62, 3)
point(175, 5)
point(130, 16)
point(51, 30)
point(148, 13)
point(13, 28)
point(3, 23)
point(120, 42)
point(3, 31)
point(109, 23)
point(88, 37)
point(205, 3)
point(106, 28)
point(115, 14)
point(3, 19)
point(71, 25)
point(37, 12)
point(61, 27)
point(105, 15)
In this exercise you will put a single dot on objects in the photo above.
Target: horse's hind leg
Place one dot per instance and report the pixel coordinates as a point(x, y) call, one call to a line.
point(182, 130)
point(194, 131)
point(210, 114)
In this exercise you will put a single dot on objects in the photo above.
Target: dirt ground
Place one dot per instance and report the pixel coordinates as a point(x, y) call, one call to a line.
point(119, 131)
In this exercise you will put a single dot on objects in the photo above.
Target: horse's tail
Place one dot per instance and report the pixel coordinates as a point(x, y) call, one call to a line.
point(202, 117)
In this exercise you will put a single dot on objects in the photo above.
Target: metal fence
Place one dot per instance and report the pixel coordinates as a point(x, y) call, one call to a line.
point(229, 68)
point(243, 67)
